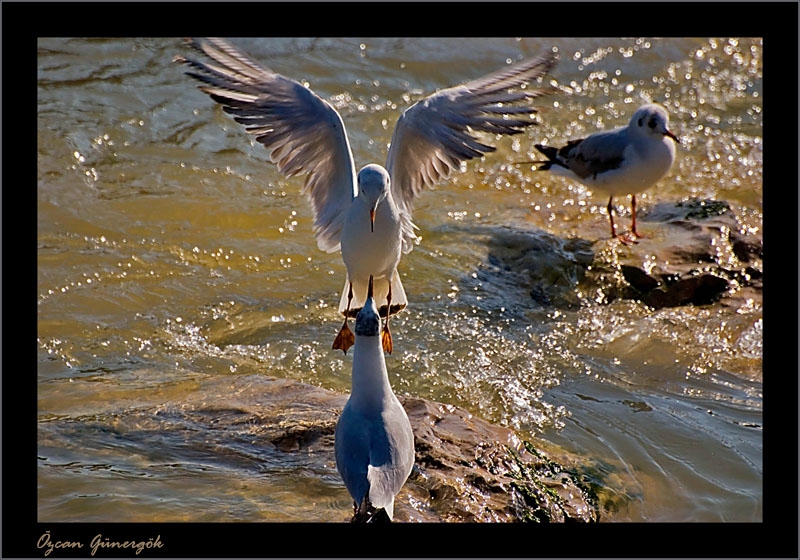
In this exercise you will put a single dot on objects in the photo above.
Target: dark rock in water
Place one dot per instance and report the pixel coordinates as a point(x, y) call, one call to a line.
point(701, 289)
point(639, 279)
point(696, 256)
point(702, 256)
point(541, 264)
point(746, 250)
point(695, 290)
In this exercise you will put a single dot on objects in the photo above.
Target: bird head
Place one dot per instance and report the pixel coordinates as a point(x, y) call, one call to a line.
point(373, 185)
point(368, 322)
point(652, 120)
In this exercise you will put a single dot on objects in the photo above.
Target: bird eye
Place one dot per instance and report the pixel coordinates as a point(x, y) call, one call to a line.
point(652, 123)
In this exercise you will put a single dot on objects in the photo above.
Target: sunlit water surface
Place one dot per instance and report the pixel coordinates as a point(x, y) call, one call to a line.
point(172, 255)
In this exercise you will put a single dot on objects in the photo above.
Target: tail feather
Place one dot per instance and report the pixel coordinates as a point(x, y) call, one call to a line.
point(381, 291)
point(551, 153)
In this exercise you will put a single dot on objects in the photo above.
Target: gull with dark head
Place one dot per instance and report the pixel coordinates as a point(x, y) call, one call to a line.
point(374, 444)
point(366, 215)
point(628, 160)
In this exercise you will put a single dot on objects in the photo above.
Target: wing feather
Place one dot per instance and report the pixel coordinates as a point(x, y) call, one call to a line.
point(435, 135)
point(302, 131)
point(586, 157)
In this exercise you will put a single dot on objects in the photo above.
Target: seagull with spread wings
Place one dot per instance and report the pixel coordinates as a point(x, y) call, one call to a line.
point(366, 215)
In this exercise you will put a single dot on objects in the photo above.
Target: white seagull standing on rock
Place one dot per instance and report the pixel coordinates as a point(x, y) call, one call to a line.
point(374, 443)
point(367, 216)
point(628, 160)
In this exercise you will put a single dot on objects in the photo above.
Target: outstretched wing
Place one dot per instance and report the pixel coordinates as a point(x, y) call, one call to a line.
point(303, 132)
point(436, 134)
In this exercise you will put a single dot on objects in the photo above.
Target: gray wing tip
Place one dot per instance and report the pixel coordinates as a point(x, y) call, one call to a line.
point(193, 43)
point(513, 76)
point(546, 61)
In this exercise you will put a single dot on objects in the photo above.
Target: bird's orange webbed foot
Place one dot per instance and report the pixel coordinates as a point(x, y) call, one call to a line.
point(628, 238)
point(386, 339)
point(636, 235)
point(345, 339)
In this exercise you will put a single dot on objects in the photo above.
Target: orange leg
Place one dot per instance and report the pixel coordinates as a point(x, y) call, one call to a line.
point(610, 208)
point(614, 235)
point(386, 336)
point(633, 211)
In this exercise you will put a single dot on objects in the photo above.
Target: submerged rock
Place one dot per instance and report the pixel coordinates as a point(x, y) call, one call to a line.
point(546, 267)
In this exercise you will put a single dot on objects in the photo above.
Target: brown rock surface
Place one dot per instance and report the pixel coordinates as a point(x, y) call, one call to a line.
point(466, 468)
point(698, 255)
point(470, 470)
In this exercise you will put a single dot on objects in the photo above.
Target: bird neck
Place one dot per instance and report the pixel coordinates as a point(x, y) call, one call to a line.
point(370, 383)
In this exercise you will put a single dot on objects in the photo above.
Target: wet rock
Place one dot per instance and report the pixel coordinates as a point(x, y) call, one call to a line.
point(702, 257)
point(696, 253)
point(701, 289)
point(470, 470)
point(544, 265)
point(466, 468)
point(639, 279)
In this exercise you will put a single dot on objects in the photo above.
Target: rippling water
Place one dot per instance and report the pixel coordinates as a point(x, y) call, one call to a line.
point(172, 256)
